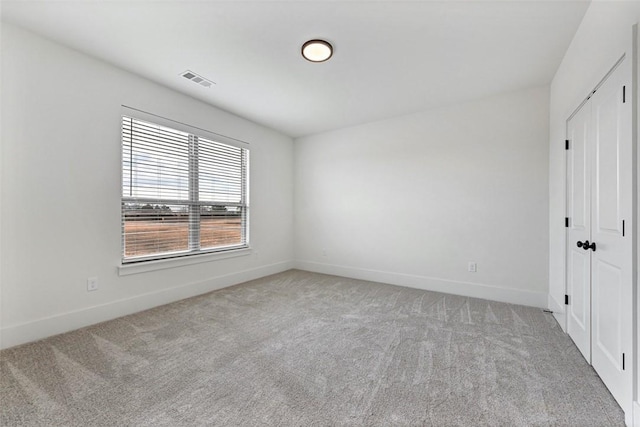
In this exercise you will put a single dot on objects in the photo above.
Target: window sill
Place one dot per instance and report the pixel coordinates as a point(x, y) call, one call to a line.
point(161, 264)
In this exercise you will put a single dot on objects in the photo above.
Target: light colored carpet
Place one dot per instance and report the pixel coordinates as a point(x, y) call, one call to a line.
point(299, 349)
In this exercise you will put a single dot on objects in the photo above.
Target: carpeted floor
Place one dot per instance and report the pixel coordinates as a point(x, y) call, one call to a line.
point(300, 349)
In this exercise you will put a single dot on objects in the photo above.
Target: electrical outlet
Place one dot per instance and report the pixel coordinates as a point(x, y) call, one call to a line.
point(473, 267)
point(92, 284)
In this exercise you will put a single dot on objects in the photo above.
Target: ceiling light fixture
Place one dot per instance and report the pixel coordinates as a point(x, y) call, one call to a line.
point(317, 50)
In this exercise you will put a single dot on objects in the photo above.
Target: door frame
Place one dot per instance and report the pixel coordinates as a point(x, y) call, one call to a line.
point(632, 413)
point(635, 203)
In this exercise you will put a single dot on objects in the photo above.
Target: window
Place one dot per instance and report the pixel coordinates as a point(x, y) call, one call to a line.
point(183, 191)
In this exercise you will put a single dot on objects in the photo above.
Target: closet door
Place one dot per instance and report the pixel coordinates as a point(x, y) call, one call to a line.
point(579, 231)
point(599, 244)
point(611, 262)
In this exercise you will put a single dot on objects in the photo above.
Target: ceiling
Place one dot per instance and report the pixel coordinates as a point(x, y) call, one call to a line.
point(391, 57)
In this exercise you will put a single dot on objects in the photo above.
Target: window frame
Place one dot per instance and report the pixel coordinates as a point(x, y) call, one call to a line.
point(192, 254)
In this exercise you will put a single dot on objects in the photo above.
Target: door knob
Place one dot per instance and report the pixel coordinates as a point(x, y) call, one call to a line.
point(579, 244)
point(586, 246)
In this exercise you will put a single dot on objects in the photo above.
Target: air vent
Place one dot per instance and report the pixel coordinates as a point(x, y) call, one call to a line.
point(197, 78)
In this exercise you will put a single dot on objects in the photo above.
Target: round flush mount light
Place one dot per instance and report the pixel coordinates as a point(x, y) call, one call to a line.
point(317, 50)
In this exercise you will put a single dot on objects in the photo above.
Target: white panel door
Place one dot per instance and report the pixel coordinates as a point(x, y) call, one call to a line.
point(579, 231)
point(611, 258)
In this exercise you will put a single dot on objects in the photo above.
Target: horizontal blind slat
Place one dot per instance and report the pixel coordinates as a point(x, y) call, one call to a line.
point(157, 218)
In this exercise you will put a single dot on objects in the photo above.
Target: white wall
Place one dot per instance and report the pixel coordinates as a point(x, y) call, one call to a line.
point(604, 35)
point(61, 192)
point(412, 200)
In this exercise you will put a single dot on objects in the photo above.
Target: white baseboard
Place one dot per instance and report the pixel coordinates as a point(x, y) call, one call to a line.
point(559, 312)
point(42, 328)
point(469, 289)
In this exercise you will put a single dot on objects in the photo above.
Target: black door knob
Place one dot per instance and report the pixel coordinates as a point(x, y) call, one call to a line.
point(586, 245)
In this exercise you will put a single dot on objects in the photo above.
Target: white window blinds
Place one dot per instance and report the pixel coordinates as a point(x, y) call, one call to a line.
point(182, 193)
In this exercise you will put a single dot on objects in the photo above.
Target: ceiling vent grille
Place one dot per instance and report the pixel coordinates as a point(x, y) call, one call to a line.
point(197, 78)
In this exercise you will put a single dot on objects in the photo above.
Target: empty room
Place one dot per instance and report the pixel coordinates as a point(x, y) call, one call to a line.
point(327, 213)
